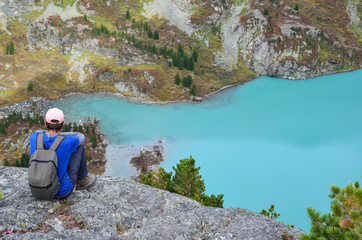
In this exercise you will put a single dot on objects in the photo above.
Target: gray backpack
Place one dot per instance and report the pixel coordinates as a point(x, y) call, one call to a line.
point(42, 173)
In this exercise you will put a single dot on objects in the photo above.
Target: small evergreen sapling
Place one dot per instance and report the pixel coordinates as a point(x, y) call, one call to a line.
point(271, 212)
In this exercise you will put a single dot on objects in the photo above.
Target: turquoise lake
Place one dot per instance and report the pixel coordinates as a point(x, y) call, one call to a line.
point(268, 141)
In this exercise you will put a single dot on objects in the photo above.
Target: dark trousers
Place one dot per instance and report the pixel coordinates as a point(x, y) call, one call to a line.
point(77, 168)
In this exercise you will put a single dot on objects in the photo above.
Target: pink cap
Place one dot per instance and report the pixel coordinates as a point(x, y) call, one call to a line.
point(54, 114)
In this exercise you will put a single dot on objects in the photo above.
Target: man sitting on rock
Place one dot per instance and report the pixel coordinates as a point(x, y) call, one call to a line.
point(72, 166)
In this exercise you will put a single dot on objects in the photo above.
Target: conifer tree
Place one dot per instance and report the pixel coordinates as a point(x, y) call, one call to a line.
point(212, 201)
point(156, 35)
point(186, 63)
point(75, 128)
point(346, 218)
point(6, 162)
point(191, 64)
point(177, 79)
point(195, 55)
point(187, 81)
point(11, 48)
point(2, 129)
point(174, 60)
point(150, 34)
point(180, 63)
point(7, 49)
point(30, 86)
point(128, 15)
point(160, 179)
point(24, 160)
point(187, 180)
point(296, 7)
point(145, 27)
point(193, 90)
point(180, 50)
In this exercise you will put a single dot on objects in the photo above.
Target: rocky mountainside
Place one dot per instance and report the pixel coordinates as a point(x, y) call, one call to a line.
point(136, 48)
point(124, 209)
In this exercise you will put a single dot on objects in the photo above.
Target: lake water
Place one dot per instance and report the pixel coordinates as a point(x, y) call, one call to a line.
point(268, 141)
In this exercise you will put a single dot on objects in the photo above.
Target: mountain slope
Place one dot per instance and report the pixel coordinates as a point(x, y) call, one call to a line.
point(65, 46)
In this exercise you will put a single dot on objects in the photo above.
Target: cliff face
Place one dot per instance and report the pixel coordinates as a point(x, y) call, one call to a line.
point(91, 46)
point(123, 209)
point(289, 39)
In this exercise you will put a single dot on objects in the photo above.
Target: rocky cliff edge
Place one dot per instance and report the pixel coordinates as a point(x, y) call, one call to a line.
point(118, 208)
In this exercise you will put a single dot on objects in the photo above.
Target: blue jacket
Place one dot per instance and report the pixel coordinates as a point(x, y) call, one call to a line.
point(64, 151)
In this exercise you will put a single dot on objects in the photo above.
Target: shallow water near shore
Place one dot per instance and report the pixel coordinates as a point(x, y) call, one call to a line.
point(268, 141)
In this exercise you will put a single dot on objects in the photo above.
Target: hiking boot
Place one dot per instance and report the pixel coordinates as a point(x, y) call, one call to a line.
point(87, 182)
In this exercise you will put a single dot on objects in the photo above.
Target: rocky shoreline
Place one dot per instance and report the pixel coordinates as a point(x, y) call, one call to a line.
point(43, 104)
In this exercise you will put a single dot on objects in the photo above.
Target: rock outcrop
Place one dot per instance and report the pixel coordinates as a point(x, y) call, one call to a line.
point(124, 209)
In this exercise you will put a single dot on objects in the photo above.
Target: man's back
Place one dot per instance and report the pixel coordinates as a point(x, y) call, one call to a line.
point(72, 164)
point(64, 151)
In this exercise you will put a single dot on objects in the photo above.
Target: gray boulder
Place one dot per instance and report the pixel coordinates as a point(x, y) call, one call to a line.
point(118, 208)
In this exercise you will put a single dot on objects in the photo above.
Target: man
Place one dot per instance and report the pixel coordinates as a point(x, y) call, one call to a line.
point(72, 165)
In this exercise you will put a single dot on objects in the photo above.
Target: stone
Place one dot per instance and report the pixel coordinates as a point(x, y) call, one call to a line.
point(56, 224)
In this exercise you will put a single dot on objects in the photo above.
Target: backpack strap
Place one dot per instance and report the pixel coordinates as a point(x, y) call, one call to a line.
point(56, 143)
point(39, 141)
